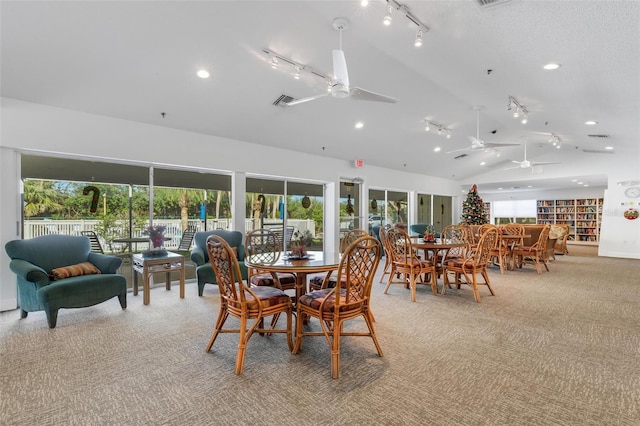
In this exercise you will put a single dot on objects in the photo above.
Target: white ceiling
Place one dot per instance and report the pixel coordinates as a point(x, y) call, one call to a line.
point(136, 60)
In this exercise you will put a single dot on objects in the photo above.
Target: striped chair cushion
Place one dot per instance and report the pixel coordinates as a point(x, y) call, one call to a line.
point(267, 296)
point(315, 298)
point(267, 279)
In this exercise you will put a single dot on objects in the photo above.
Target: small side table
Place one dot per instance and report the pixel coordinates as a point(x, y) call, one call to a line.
point(148, 265)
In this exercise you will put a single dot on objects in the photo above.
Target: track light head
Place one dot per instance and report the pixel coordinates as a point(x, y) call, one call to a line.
point(387, 18)
point(418, 41)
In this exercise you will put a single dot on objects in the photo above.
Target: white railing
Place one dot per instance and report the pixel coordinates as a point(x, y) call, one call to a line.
point(36, 228)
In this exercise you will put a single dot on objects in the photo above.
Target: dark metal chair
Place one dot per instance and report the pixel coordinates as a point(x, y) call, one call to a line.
point(96, 247)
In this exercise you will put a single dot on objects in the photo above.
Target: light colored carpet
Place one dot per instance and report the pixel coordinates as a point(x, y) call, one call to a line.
point(561, 348)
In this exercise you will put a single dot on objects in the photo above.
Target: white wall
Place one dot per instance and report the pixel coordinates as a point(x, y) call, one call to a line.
point(28, 127)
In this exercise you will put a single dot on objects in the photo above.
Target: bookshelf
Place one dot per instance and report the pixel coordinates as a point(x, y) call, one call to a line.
point(583, 215)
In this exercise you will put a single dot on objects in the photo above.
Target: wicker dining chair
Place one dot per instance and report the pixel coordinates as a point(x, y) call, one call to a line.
point(388, 263)
point(466, 270)
point(264, 246)
point(331, 278)
point(244, 303)
point(407, 263)
point(334, 306)
point(536, 253)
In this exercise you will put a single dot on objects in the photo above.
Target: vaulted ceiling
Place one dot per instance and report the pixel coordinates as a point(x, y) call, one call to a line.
point(138, 61)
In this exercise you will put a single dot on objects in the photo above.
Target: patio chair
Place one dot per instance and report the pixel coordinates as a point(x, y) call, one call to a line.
point(96, 247)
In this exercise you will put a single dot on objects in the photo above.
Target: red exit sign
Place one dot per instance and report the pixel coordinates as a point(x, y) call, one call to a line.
point(359, 163)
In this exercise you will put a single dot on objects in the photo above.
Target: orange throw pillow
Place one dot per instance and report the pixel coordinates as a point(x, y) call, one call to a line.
point(84, 268)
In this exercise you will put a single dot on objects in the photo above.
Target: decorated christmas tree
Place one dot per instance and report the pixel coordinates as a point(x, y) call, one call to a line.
point(473, 208)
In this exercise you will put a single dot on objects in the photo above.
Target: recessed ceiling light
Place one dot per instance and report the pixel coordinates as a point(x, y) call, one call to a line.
point(203, 73)
point(580, 183)
point(364, 3)
point(359, 125)
point(590, 123)
point(436, 149)
point(574, 180)
point(551, 66)
point(529, 186)
point(586, 184)
point(608, 148)
point(500, 189)
point(483, 163)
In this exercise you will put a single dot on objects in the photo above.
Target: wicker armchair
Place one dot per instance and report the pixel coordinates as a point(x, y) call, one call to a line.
point(408, 264)
point(465, 271)
point(244, 303)
point(333, 307)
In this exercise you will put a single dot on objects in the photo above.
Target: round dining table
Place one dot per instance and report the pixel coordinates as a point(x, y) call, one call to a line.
point(301, 267)
point(435, 247)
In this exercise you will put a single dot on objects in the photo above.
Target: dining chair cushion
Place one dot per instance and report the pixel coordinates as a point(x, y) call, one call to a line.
point(315, 299)
point(267, 296)
point(260, 280)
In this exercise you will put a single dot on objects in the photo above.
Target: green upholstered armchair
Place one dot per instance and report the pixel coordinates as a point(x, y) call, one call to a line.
point(419, 228)
point(199, 256)
point(52, 274)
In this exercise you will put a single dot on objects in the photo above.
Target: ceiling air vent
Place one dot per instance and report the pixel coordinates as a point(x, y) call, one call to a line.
point(460, 156)
point(491, 3)
point(598, 136)
point(283, 100)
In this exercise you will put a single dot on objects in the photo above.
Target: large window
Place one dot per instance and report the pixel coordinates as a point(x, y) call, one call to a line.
point(286, 207)
point(387, 208)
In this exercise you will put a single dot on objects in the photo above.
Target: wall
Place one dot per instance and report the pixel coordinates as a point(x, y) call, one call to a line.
point(28, 127)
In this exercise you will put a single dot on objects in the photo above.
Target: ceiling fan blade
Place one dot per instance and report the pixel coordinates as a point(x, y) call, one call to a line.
point(500, 145)
point(458, 150)
point(597, 151)
point(366, 95)
point(340, 72)
point(540, 163)
point(513, 167)
point(303, 100)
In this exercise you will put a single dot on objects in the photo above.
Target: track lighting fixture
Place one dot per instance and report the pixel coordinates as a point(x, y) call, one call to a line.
point(276, 60)
point(518, 110)
point(418, 41)
point(387, 18)
point(422, 28)
point(442, 130)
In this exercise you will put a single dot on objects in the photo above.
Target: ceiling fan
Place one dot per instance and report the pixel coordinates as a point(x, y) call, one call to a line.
point(340, 84)
point(478, 144)
point(526, 164)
